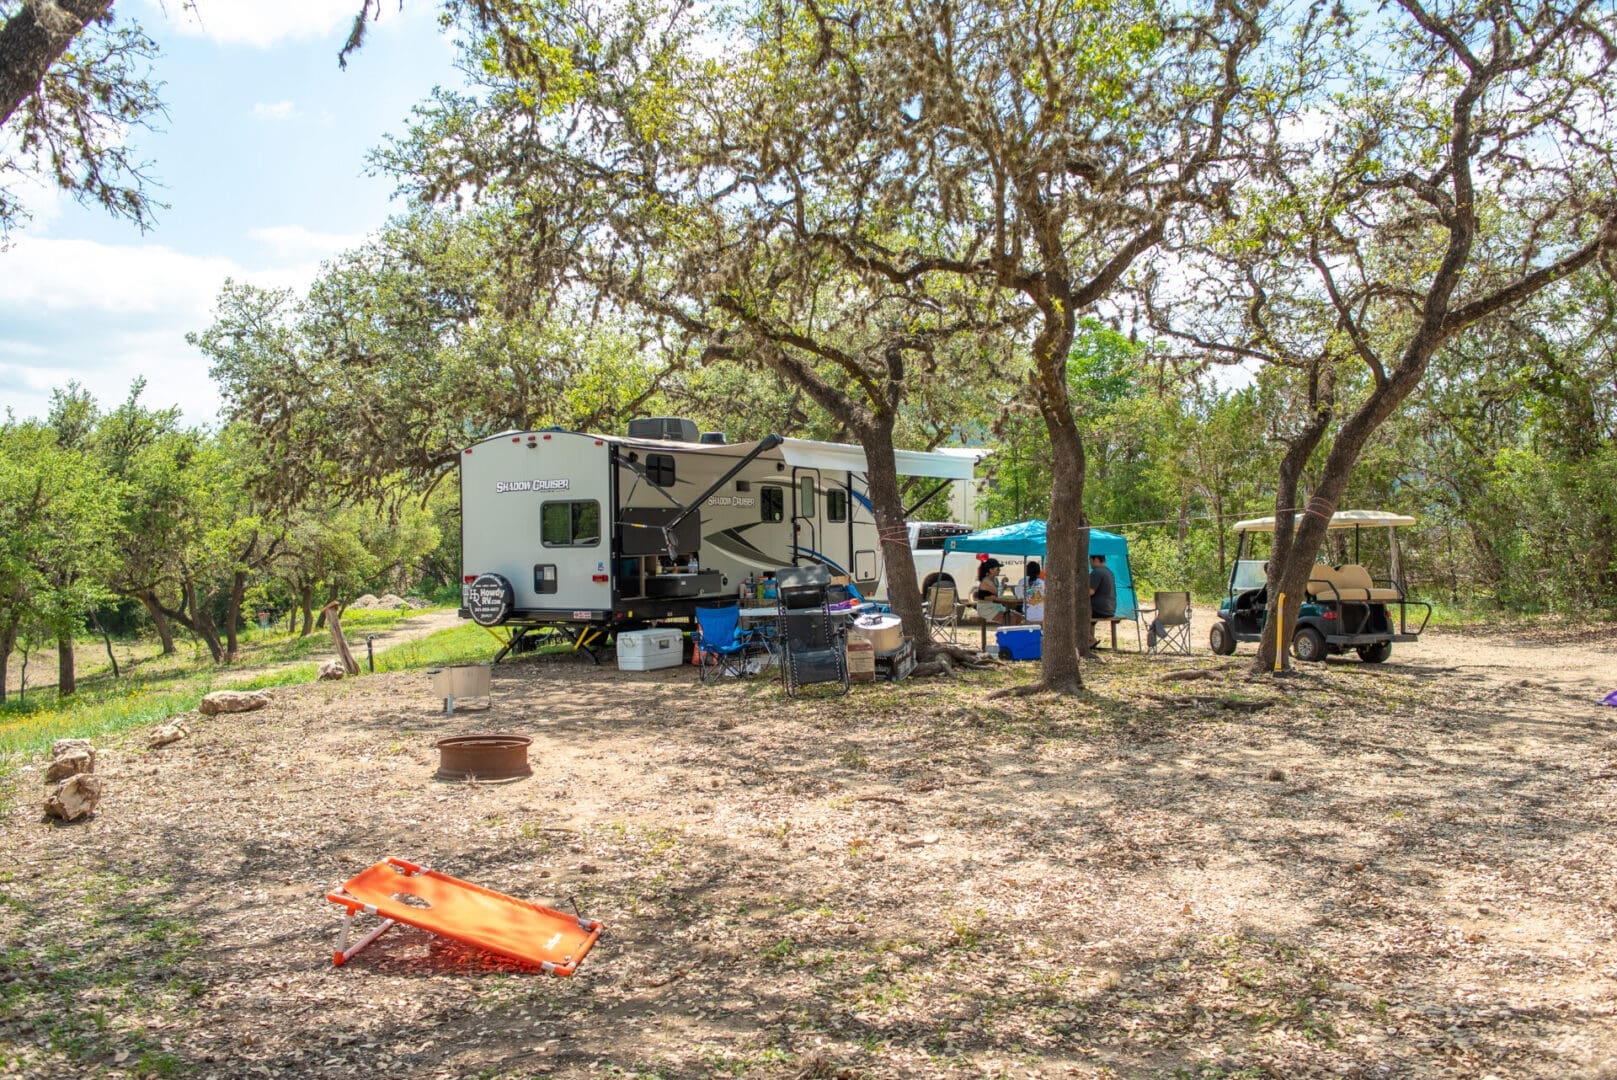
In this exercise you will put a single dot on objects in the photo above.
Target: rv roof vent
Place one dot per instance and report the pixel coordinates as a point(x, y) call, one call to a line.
point(716, 437)
point(672, 428)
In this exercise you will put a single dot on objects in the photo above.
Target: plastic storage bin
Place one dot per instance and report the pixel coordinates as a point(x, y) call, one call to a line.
point(648, 650)
point(1020, 643)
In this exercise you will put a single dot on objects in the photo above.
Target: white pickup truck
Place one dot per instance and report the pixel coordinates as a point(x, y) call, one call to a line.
point(957, 568)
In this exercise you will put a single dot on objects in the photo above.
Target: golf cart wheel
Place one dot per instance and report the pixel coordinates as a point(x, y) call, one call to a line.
point(1308, 645)
point(1220, 640)
point(1375, 654)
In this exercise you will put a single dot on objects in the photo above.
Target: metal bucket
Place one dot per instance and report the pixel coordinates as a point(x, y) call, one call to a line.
point(483, 757)
point(462, 683)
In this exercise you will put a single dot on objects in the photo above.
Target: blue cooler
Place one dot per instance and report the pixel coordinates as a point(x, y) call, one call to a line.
point(1021, 642)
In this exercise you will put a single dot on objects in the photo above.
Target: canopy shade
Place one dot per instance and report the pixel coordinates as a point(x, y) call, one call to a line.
point(1342, 519)
point(1027, 540)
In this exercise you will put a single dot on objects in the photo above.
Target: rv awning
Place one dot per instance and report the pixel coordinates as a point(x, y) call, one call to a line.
point(1342, 519)
point(947, 464)
point(950, 463)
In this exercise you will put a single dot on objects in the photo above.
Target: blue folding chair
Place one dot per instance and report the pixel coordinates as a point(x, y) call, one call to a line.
point(723, 647)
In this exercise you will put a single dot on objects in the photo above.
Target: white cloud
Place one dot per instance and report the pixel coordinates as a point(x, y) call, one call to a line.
point(262, 23)
point(297, 242)
point(106, 313)
point(274, 110)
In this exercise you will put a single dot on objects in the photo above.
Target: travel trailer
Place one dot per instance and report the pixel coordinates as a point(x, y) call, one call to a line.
point(570, 529)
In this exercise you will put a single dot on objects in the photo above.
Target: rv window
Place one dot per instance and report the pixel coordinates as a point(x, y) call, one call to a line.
point(772, 503)
point(570, 524)
point(836, 505)
point(805, 488)
point(660, 469)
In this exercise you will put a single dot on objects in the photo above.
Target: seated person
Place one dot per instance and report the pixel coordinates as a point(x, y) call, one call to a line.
point(1102, 595)
point(1030, 574)
point(985, 595)
point(987, 580)
point(1033, 598)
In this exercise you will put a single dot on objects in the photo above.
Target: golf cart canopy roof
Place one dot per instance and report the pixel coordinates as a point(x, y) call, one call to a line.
point(1342, 519)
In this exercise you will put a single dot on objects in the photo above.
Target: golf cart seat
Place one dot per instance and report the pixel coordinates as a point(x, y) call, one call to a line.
point(1350, 583)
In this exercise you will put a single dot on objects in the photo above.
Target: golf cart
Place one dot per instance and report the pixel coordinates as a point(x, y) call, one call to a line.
point(1345, 608)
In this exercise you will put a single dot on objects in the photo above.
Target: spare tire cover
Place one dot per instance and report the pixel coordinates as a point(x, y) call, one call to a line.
point(489, 599)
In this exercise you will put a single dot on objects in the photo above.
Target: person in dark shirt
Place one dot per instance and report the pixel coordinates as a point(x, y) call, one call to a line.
point(1102, 595)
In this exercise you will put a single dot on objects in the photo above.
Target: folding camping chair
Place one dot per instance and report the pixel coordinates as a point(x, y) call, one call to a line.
point(941, 607)
point(405, 892)
point(721, 639)
point(811, 640)
point(1170, 629)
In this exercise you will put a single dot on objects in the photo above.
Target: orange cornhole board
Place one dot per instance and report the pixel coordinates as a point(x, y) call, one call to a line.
point(403, 892)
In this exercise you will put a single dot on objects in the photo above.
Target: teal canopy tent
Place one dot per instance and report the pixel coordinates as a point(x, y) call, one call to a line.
point(1027, 540)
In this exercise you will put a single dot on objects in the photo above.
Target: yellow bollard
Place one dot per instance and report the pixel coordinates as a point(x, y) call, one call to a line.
point(1280, 635)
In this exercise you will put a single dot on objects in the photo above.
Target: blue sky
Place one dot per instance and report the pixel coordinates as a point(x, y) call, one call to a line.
point(262, 158)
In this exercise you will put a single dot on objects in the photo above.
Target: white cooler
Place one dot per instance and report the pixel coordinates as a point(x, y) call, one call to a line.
point(648, 650)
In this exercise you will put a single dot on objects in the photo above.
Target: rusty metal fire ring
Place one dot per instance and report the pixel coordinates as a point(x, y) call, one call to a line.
point(484, 758)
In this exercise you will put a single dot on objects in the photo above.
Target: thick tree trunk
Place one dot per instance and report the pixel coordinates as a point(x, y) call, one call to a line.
point(1066, 605)
point(159, 618)
point(1066, 562)
point(306, 600)
point(33, 39)
point(195, 618)
point(238, 590)
point(67, 682)
point(1294, 562)
point(887, 505)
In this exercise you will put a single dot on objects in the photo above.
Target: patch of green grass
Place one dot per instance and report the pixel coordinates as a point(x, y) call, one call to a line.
point(157, 688)
point(467, 644)
point(95, 974)
point(781, 951)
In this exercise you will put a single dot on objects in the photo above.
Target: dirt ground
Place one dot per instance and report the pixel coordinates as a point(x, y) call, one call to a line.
point(1370, 872)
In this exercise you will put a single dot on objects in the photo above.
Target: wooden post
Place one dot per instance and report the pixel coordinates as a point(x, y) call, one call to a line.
point(334, 620)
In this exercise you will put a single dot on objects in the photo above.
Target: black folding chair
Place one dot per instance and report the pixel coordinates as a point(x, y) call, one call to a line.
point(813, 652)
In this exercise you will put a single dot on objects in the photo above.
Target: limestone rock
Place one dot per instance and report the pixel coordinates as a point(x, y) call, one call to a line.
point(332, 669)
point(74, 797)
point(168, 733)
point(63, 746)
point(70, 763)
point(221, 701)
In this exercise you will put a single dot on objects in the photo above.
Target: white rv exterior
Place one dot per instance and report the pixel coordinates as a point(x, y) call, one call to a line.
point(573, 526)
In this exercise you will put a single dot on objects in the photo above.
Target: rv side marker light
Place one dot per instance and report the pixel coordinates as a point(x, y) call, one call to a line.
point(468, 449)
point(547, 436)
point(598, 577)
point(469, 578)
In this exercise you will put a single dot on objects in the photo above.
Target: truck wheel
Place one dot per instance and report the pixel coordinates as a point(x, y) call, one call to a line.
point(1375, 654)
point(1220, 640)
point(1308, 644)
